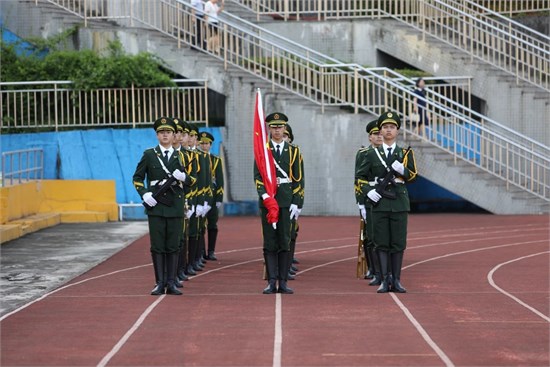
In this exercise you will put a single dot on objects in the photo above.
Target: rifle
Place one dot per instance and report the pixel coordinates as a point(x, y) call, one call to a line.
point(388, 179)
point(163, 189)
point(361, 258)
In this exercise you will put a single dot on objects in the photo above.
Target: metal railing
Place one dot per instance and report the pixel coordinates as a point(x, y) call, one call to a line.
point(52, 105)
point(22, 165)
point(511, 7)
point(463, 133)
point(467, 25)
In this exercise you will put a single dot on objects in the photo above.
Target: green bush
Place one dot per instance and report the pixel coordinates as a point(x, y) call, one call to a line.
point(87, 69)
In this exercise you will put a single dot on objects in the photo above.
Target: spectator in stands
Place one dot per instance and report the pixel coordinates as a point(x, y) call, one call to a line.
point(211, 11)
point(198, 15)
point(419, 106)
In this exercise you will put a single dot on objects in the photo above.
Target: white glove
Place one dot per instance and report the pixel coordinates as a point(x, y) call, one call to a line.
point(190, 212)
point(293, 211)
point(149, 199)
point(218, 205)
point(363, 211)
point(179, 175)
point(206, 208)
point(374, 196)
point(199, 210)
point(298, 214)
point(398, 167)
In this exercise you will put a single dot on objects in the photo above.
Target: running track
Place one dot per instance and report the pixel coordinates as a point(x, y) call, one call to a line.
point(478, 296)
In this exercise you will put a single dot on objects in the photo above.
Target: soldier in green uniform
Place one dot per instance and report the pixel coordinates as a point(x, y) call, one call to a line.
point(373, 262)
point(191, 197)
point(205, 197)
point(288, 136)
point(389, 216)
point(180, 143)
point(196, 221)
point(290, 192)
point(206, 140)
point(165, 219)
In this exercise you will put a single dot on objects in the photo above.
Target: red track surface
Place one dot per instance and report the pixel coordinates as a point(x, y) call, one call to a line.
point(455, 316)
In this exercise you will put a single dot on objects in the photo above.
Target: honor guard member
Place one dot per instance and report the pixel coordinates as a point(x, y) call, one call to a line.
point(164, 212)
point(182, 140)
point(205, 197)
point(206, 140)
point(390, 205)
point(290, 192)
point(288, 136)
point(375, 140)
point(191, 196)
point(195, 254)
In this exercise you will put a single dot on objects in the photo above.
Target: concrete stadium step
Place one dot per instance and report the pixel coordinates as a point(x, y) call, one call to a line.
point(84, 217)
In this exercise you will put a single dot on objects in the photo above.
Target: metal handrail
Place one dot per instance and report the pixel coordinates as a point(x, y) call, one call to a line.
point(22, 165)
point(352, 86)
point(56, 104)
point(509, 35)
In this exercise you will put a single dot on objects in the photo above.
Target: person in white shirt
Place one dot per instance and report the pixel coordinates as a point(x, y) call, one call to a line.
point(211, 12)
point(198, 15)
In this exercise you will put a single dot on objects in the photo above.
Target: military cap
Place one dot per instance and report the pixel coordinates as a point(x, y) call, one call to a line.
point(179, 124)
point(276, 119)
point(193, 129)
point(185, 126)
point(288, 131)
point(372, 127)
point(164, 123)
point(389, 117)
point(206, 137)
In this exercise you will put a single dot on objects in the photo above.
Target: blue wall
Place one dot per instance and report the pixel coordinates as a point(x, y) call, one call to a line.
point(100, 154)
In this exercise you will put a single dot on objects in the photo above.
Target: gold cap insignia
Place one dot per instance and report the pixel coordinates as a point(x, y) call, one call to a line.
point(276, 116)
point(203, 135)
point(163, 121)
point(390, 115)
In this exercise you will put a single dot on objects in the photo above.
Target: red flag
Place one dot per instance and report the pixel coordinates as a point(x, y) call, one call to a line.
point(264, 160)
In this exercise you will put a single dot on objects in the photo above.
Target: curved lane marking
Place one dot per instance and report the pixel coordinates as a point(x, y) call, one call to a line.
point(493, 284)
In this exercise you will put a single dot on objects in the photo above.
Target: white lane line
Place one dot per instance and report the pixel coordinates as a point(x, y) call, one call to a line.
point(422, 332)
point(67, 286)
point(129, 333)
point(470, 251)
point(493, 284)
point(278, 340)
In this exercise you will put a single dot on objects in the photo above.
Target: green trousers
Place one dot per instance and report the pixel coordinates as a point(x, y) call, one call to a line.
point(165, 233)
point(276, 240)
point(389, 231)
point(212, 217)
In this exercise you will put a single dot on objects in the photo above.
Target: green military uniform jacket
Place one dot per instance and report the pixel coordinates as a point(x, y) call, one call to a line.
point(359, 183)
point(217, 178)
point(150, 168)
point(371, 168)
point(204, 183)
point(291, 163)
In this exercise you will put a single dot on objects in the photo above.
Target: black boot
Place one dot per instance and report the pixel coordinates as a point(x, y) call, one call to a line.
point(182, 261)
point(171, 269)
point(377, 279)
point(396, 264)
point(385, 284)
point(158, 266)
point(191, 256)
point(271, 267)
point(368, 256)
point(284, 261)
point(202, 250)
point(212, 237)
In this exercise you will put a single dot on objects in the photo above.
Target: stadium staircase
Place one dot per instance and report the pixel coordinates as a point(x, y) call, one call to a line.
point(484, 162)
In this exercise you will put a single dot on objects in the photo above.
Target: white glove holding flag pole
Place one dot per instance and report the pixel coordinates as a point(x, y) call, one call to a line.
point(294, 211)
point(218, 205)
point(190, 211)
point(374, 196)
point(363, 211)
point(149, 199)
point(179, 175)
point(398, 167)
